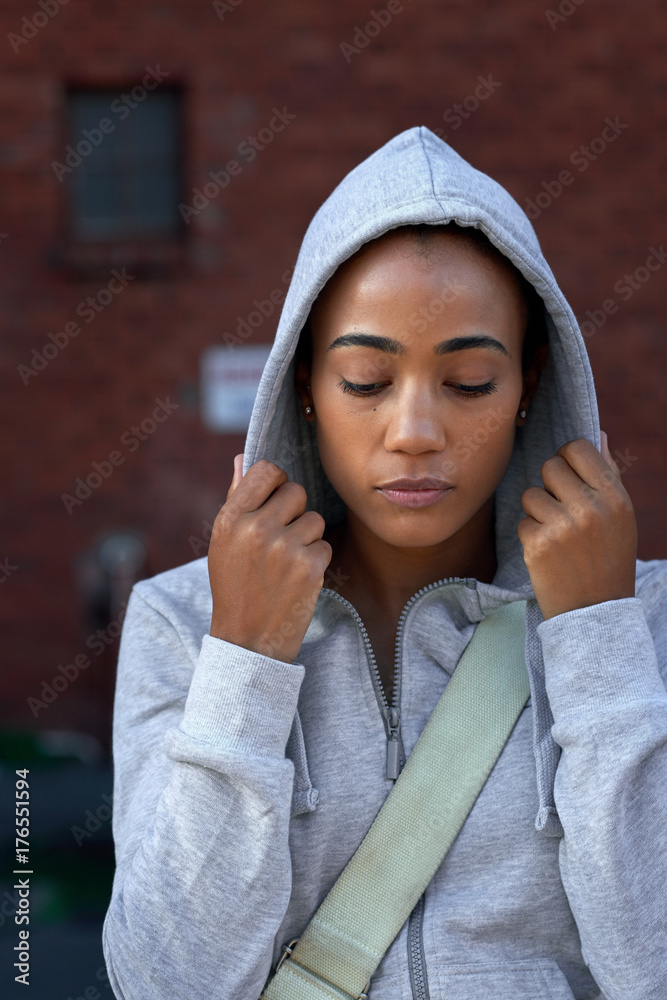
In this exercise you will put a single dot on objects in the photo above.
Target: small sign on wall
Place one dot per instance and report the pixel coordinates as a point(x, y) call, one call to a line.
point(229, 381)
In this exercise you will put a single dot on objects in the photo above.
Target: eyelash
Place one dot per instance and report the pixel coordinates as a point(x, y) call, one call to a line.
point(470, 391)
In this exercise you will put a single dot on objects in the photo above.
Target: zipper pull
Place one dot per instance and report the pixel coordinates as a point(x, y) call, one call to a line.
point(393, 746)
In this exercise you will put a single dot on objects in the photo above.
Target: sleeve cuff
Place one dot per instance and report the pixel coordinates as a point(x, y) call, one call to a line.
point(241, 701)
point(600, 657)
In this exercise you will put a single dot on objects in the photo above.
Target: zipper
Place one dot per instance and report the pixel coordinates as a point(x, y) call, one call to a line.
point(416, 959)
point(394, 743)
point(395, 761)
point(391, 714)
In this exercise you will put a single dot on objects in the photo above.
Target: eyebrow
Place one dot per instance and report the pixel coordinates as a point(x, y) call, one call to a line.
point(466, 343)
point(390, 346)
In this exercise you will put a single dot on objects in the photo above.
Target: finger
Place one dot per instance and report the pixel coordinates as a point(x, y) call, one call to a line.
point(323, 552)
point(562, 482)
point(286, 504)
point(540, 505)
point(308, 527)
point(259, 482)
point(526, 528)
point(589, 464)
point(238, 474)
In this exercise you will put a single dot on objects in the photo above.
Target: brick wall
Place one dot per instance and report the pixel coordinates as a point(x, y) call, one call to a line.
point(554, 76)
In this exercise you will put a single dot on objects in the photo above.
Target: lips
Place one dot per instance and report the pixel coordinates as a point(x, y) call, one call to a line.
point(415, 492)
point(416, 484)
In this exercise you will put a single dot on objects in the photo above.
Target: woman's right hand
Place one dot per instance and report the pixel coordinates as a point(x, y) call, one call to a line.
point(266, 562)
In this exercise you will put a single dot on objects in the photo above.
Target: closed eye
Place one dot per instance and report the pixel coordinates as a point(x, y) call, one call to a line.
point(477, 390)
point(360, 390)
point(371, 389)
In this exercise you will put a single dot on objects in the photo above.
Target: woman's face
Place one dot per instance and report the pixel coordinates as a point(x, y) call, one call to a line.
point(416, 374)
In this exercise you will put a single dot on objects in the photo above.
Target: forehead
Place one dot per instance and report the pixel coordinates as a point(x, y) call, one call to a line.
point(397, 270)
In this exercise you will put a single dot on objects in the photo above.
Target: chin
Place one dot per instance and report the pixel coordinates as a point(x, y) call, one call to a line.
point(416, 531)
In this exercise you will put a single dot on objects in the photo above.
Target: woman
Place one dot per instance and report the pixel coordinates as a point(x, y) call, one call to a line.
point(425, 373)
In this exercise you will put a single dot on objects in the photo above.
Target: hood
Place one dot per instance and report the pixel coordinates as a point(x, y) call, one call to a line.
point(416, 177)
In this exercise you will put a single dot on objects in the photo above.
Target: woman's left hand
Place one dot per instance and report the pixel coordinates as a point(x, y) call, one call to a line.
point(580, 534)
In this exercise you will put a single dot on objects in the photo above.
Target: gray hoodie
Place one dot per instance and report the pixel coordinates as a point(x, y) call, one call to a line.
point(243, 784)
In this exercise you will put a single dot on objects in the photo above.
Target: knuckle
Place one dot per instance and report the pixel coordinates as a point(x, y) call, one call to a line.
point(276, 544)
point(316, 518)
point(541, 544)
point(302, 567)
point(266, 471)
point(255, 531)
point(324, 552)
point(582, 505)
point(574, 446)
point(607, 478)
point(552, 464)
point(621, 503)
point(532, 493)
point(587, 516)
point(264, 465)
point(294, 489)
point(222, 521)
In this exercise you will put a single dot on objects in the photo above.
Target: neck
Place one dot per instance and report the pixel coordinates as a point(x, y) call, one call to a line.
point(388, 575)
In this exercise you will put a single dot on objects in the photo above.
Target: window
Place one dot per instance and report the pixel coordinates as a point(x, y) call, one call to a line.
point(123, 148)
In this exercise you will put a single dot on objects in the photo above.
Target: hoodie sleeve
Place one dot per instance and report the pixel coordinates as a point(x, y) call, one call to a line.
point(202, 796)
point(603, 676)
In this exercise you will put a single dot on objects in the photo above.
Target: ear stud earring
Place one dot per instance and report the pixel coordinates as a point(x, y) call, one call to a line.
point(522, 414)
point(308, 409)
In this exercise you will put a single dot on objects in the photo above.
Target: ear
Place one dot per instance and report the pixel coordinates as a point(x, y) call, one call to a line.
point(302, 384)
point(531, 380)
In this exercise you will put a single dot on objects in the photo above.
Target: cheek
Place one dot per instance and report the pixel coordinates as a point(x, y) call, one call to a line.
point(342, 434)
point(340, 459)
point(482, 449)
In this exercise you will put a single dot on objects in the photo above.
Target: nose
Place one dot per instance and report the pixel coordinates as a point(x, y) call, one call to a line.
point(415, 423)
